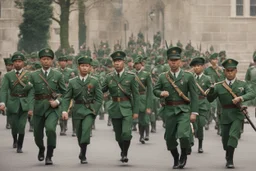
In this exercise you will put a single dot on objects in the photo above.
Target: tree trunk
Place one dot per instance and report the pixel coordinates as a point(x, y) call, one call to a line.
point(81, 23)
point(64, 24)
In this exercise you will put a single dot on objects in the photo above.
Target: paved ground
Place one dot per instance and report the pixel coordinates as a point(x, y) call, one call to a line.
point(103, 154)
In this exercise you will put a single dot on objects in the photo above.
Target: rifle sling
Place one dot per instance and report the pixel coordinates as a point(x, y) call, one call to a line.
point(47, 84)
point(229, 89)
point(121, 88)
point(139, 81)
point(19, 80)
point(200, 88)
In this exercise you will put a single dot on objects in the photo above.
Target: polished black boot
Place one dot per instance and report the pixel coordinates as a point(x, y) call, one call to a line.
point(200, 146)
point(147, 133)
point(74, 129)
point(230, 163)
point(40, 156)
point(20, 143)
point(49, 154)
point(175, 155)
point(141, 131)
point(121, 148)
point(14, 136)
point(183, 158)
point(126, 145)
point(82, 155)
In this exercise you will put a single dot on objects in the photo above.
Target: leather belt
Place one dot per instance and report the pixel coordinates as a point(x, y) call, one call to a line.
point(229, 106)
point(175, 103)
point(19, 95)
point(143, 92)
point(201, 97)
point(120, 99)
point(42, 97)
point(81, 102)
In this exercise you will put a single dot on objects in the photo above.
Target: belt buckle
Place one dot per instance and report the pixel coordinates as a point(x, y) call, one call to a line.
point(118, 99)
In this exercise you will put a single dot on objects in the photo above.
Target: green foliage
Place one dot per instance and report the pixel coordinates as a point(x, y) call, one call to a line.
point(34, 31)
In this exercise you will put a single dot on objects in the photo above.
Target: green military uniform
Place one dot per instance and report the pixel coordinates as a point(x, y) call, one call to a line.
point(8, 62)
point(67, 74)
point(145, 89)
point(17, 95)
point(123, 107)
point(216, 75)
point(231, 116)
point(87, 95)
point(44, 115)
point(176, 111)
point(203, 84)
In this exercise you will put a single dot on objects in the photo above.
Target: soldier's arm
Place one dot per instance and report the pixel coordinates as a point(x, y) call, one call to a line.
point(31, 94)
point(149, 92)
point(247, 75)
point(67, 97)
point(135, 95)
point(98, 96)
point(212, 94)
point(157, 89)
point(4, 90)
point(249, 93)
point(104, 86)
point(61, 88)
point(193, 94)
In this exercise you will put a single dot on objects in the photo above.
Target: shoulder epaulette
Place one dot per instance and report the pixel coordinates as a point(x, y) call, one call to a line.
point(73, 78)
point(93, 77)
point(130, 72)
point(219, 82)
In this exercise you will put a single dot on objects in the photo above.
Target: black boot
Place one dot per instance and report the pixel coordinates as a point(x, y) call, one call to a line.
point(82, 155)
point(20, 143)
point(200, 146)
point(126, 145)
point(230, 164)
point(65, 125)
point(147, 133)
point(31, 128)
point(153, 127)
point(141, 131)
point(49, 154)
point(134, 127)
point(14, 136)
point(183, 158)
point(121, 147)
point(175, 155)
point(40, 156)
point(62, 128)
point(74, 129)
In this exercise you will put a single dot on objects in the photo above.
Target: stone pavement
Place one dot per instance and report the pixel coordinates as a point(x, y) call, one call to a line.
point(104, 154)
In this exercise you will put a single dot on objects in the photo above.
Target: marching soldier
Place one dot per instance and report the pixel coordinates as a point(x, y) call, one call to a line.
point(17, 96)
point(86, 92)
point(67, 74)
point(123, 89)
point(9, 66)
point(47, 82)
point(231, 92)
point(203, 83)
point(174, 86)
point(145, 89)
point(250, 78)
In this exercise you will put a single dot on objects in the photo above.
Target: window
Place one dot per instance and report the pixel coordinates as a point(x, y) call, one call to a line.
point(239, 7)
point(252, 7)
point(0, 9)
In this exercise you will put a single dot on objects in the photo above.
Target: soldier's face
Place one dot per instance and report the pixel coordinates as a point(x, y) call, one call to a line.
point(214, 62)
point(198, 69)
point(174, 64)
point(9, 67)
point(18, 64)
point(138, 66)
point(62, 64)
point(230, 73)
point(84, 69)
point(69, 62)
point(119, 65)
point(46, 62)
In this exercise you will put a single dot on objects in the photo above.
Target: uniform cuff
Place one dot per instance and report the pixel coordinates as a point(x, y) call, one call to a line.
point(195, 113)
point(2, 104)
point(57, 101)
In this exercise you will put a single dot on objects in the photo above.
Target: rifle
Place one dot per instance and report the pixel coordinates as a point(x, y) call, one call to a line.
point(95, 49)
point(166, 44)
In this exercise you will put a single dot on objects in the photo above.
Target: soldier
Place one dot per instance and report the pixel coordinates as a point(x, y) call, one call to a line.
point(86, 92)
point(231, 117)
point(145, 89)
point(174, 86)
point(250, 78)
point(123, 89)
point(47, 82)
point(17, 96)
point(203, 83)
point(67, 74)
point(216, 73)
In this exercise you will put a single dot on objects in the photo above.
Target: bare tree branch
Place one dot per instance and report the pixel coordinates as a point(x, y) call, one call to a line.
point(55, 19)
point(55, 1)
point(71, 3)
point(73, 10)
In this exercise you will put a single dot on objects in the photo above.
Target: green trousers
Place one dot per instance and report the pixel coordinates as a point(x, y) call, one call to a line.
point(144, 119)
point(177, 127)
point(18, 122)
point(122, 127)
point(83, 128)
point(49, 123)
point(201, 120)
point(231, 133)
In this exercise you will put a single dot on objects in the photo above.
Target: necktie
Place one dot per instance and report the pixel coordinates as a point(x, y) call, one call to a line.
point(118, 75)
point(174, 75)
point(17, 73)
point(230, 84)
point(197, 78)
point(82, 79)
point(45, 74)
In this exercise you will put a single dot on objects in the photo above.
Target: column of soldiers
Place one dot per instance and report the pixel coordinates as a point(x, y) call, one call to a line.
point(139, 93)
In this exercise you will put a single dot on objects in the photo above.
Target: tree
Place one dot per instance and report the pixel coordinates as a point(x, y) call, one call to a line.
point(34, 30)
point(81, 23)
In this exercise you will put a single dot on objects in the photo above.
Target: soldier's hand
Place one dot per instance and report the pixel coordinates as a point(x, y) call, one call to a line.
point(64, 115)
point(164, 94)
point(148, 111)
point(53, 103)
point(237, 100)
point(192, 117)
point(30, 112)
point(135, 116)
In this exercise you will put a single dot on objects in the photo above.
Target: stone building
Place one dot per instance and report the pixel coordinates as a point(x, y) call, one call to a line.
point(225, 24)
